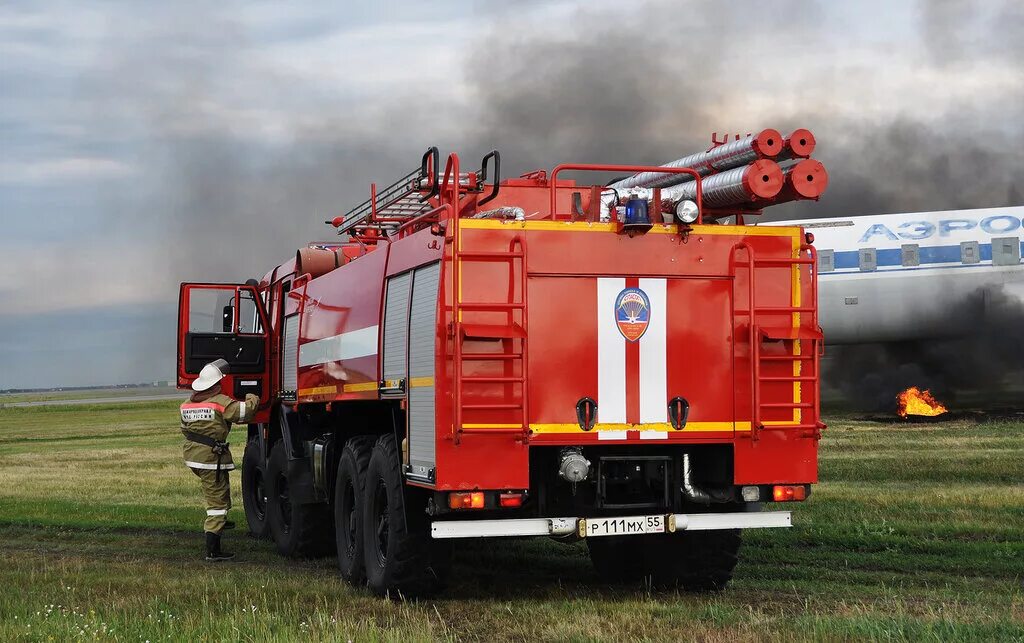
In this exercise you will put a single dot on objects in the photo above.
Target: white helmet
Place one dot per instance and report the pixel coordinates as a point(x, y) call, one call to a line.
point(210, 375)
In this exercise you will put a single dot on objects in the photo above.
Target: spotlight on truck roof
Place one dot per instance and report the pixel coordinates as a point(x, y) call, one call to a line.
point(686, 211)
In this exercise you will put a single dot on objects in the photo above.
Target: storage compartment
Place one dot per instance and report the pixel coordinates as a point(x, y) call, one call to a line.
point(634, 482)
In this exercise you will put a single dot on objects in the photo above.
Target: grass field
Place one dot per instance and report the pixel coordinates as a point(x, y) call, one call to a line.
point(916, 532)
point(85, 394)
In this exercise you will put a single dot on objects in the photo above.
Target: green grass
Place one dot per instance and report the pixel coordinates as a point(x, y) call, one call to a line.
point(915, 533)
point(85, 394)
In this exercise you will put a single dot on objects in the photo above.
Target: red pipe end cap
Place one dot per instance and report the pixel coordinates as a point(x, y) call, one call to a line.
point(768, 143)
point(763, 179)
point(801, 142)
point(808, 179)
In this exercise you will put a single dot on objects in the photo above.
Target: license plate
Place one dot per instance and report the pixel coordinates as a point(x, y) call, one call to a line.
point(624, 526)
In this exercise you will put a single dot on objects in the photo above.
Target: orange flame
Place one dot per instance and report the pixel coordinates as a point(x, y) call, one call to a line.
point(914, 401)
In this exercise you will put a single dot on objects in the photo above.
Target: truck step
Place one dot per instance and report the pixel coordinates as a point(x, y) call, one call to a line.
point(490, 356)
point(495, 431)
point(492, 331)
point(787, 358)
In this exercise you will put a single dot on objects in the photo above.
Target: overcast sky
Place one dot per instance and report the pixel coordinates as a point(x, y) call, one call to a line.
point(144, 143)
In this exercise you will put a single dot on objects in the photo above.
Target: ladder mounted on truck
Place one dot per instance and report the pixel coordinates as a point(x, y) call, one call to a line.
point(405, 199)
point(413, 195)
point(514, 329)
point(804, 343)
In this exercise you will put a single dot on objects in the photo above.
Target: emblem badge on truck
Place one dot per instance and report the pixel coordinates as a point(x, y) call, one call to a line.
point(632, 313)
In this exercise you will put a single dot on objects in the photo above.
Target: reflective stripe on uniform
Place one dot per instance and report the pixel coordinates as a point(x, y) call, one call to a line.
point(241, 411)
point(212, 467)
point(203, 405)
point(216, 512)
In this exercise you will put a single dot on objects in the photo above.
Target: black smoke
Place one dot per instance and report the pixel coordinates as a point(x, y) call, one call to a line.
point(613, 86)
point(984, 366)
point(640, 93)
point(643, 84)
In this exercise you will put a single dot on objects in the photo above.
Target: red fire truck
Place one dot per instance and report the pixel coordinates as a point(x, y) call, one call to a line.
point(631, 365)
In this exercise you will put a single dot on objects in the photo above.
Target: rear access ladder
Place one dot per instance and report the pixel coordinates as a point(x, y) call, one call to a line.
point(803, 343)
point(515, 361)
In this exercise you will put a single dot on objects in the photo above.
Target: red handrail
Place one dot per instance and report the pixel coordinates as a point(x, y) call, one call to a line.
point(590, 167)
point(422, 218)
point(755, 411)
point(451, 169)
point(751, 263)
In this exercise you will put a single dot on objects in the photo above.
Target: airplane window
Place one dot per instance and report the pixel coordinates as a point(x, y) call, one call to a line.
point(1005, 251)
point(868, 259)
point(911, 254)
point(826, 261)
point(969, 252)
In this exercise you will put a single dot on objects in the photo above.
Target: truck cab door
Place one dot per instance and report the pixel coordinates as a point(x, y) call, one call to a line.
point(229, 322)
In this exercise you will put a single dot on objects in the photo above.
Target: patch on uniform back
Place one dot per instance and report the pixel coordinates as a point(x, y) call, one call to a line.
point(202, 414)
point(632, 313)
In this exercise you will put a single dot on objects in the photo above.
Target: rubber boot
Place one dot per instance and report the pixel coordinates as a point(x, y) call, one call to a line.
point(213, 552)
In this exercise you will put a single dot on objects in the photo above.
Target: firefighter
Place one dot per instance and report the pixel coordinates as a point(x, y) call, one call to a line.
point(206, 420)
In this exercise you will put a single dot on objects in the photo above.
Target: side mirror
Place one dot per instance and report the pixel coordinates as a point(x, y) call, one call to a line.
point(228, 319)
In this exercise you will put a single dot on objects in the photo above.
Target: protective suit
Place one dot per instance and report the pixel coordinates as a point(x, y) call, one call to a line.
point(206, 420)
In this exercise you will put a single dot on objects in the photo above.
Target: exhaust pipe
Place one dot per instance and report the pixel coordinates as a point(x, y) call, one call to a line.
point(694, 493)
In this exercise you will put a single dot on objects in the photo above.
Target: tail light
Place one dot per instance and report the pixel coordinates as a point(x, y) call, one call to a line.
point(466, 500)
point(510, 500)
point(788, 493)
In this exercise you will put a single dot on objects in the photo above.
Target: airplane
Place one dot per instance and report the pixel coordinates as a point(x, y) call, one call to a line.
point(918, 275)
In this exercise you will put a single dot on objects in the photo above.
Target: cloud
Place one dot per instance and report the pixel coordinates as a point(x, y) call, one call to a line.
point(65, 170)
point(195, 141)
point(61, 276)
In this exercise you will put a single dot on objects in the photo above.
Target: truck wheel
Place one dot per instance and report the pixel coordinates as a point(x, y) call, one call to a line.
point(618, 559)
point(696, 561)
point(401, 558)
point(348, 507)
point(254, 491)
point(299, 530)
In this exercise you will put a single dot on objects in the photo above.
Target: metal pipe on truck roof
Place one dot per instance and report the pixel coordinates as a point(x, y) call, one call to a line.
point(767, 143)
point(798, 145)
point(762, 180)
point(803, 181)
point(755, 185)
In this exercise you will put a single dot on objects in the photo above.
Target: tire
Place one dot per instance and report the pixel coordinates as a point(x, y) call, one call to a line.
point(695, 561)
point(348, 507)
point(618, 559)
point(401, 559)
point(254, 492)
point(299, 531)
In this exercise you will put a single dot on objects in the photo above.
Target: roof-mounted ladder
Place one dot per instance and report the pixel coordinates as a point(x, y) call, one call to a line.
point(403, 200)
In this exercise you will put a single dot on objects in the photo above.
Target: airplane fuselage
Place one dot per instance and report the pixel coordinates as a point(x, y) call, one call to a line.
point(922, 275)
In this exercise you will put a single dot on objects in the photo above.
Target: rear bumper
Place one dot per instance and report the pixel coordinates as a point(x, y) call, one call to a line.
point(569, 526)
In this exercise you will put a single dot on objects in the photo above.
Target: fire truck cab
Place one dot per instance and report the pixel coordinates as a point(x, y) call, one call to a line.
point(479, 357)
